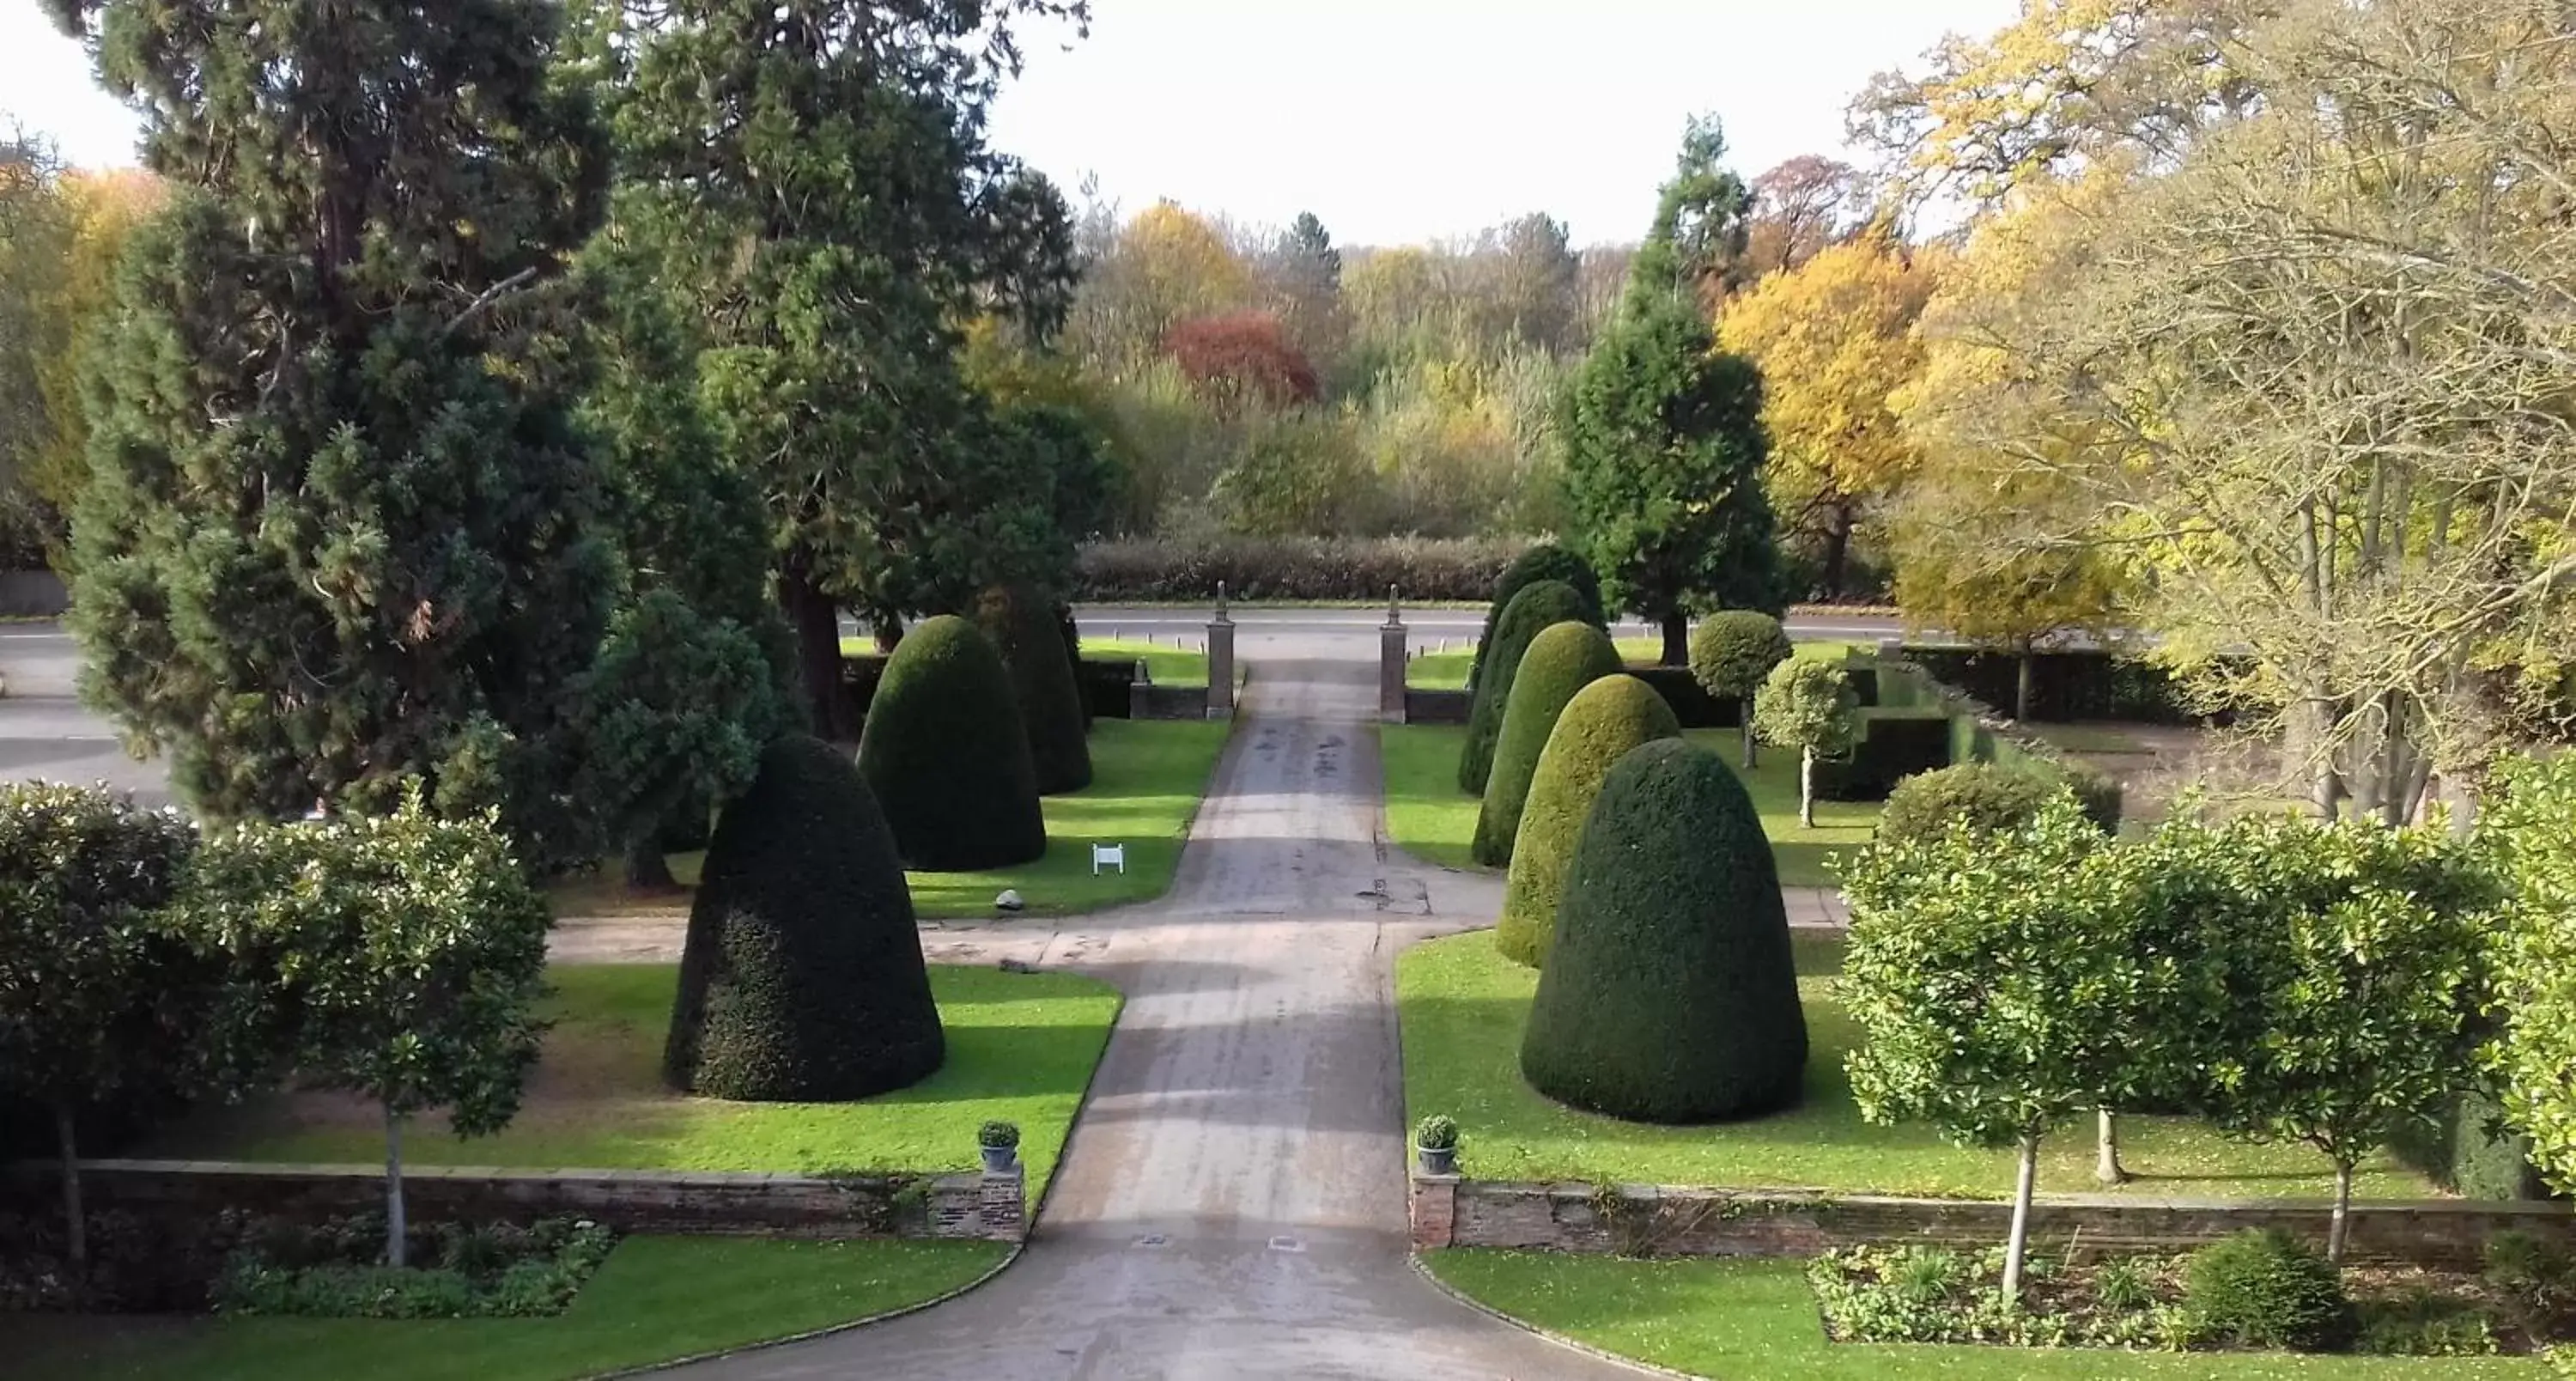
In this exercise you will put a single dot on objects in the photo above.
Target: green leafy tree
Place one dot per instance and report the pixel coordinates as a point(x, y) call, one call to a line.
point(2532, 829)
point(1807, 703)
point(681, 707)
point(1664, 444)
point(100, 1000)
point(409, 952)
point(1731, 653)
point(340, 528)
point(819, 184)
point(1997, 990)
point(2348, 1008)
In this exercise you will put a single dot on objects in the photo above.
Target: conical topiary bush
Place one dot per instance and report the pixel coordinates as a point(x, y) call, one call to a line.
point(1671, 994)
point(1600, 724)
point(1532, 611)
point(944, 752)
point(1546, 561)
point(1561, 660)
point(802, 979)
point(1031, 640)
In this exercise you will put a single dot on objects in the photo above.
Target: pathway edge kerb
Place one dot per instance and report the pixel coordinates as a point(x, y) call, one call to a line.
point(1032, 1214)
point(1544, 1334)
point(809, 1335)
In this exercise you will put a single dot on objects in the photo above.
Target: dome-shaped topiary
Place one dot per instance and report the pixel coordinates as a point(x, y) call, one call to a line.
point(1546, 561)
point(1986, 797)
point(1531, 613)
point(1671, 994)
point(802, 979)
point(945, 753)
point(1600, 724)
point(1031, 640)
point(1561, 660)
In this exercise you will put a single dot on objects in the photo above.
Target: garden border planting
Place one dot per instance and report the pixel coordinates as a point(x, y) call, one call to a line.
point(986, 1206)
point(1672, 1220)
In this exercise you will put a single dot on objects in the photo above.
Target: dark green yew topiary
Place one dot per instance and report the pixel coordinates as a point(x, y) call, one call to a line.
point(1600, 724)
point(1562, 660)
point(1671, 994)
point(1532, 612)
point(945, 753)
point(1546, 561)
point(1032, 642)
point(802, 980)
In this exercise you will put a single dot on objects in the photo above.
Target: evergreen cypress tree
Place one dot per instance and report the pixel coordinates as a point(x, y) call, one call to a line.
point(1664, 437)
point(340, 531)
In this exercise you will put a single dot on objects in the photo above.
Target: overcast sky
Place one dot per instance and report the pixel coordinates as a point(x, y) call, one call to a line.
point(1394, 120)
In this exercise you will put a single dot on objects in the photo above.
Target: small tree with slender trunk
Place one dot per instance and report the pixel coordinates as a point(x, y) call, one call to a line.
point(1731, 652)
point(1997, 991)
point(409, 952)
point(2351, 968)
point(99, 999)
point(1807, 703)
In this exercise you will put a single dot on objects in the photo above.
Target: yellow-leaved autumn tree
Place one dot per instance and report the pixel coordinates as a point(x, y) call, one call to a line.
point(105, 208)
point(1835, 339)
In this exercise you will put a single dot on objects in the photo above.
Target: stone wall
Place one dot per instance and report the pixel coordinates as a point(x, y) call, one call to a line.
point(1663, 1221)
point(971, 1205)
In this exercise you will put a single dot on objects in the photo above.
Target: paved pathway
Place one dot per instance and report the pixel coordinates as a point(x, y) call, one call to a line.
point(1232, 1202)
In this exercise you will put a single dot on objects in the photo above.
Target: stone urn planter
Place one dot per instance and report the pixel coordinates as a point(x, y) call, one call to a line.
point(1000, 1144)
point(1435, 1145)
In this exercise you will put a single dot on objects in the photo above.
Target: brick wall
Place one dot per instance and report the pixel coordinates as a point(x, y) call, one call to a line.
point(972, 1205)
point(1664, 1221)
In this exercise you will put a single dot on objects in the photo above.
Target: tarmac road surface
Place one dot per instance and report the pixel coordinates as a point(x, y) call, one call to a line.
point(1232, 1203)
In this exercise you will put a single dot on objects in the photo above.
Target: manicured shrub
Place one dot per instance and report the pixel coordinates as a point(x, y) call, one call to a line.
point(1987, 798)
point(947, 756)
point(1546, 561)
point(2265, 1288)
point(1731, 653)
point(802, 979)
point(1600, 724)
point(1031, 639)
point(1336, 568)
point(1533, 611)
point(1671, 994)
point(1561, 661)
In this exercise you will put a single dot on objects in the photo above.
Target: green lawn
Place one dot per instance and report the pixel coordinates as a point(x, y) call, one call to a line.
point(1754, 1320)
point(1448, 670)
point(1166, 664)
point(657, 1299)
point(1147, 778)
point(1432, 819)
point(1463, 1006)
point(1020, 1047)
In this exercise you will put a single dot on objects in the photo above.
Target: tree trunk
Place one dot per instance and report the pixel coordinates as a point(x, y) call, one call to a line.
point(2341, 1224)
point(2106, 1158)
point(817, 625)
point(1807, 788)
point(1838, 552)
point(1676, 639)
point(2023, 1179)
point(396, 1230)
point(648, 869)
point(2021, 686)
point(75, 1221)
point(1744, 713)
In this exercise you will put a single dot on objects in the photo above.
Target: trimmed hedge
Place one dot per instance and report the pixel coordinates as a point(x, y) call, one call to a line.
point(1533, 611)
point(1671, 995)
point(2066, 686)
point(802, 978)
point(944, 751)
point(1690, 701)
point(1031, 640)
point(1546, 561)
point(1890, 747)
point(1292, 568)
point(1987, 798)
point(1561, 660)
point(1600, 724)
point(2470, 1151)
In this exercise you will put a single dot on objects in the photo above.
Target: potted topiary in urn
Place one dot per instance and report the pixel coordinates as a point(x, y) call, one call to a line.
point(1001, 1145)
point(1435, 1143)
